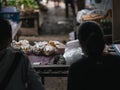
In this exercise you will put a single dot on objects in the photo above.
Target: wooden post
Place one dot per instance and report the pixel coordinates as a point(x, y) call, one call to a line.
point(80, 4)
point(116, 21)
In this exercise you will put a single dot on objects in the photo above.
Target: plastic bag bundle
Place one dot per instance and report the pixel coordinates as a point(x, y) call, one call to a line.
point(73, 52)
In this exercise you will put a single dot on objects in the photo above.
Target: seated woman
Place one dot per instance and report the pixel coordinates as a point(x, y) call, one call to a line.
point(96, 70)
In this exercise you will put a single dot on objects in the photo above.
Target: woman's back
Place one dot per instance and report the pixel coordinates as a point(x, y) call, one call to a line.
point(96, 70)
point(90, 75)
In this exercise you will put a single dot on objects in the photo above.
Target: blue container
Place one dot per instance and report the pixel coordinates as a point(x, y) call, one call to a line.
point(14, 16)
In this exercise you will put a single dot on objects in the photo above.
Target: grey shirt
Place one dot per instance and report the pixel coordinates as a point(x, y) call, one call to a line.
point(24, 74)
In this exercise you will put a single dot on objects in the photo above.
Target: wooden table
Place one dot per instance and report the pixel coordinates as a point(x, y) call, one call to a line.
point(51, 71)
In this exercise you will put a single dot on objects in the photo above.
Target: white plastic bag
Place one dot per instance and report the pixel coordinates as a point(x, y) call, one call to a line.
point(73, 52)
point(80, 14)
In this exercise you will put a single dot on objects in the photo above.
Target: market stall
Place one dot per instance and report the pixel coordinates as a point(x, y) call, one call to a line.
point(101, 12)
point(51, 71)
point(50, 58)
point(45, 56)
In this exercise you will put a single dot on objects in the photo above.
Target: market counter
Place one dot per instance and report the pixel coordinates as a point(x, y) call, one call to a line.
point(56, 70)
point(46, 68)
point(51, 71)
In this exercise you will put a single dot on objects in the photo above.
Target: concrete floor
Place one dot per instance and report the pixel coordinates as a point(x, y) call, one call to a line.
point(55, 26)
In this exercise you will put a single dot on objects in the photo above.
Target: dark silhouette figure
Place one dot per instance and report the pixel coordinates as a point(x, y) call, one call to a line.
point(96, 70)
point(57, 3)
point(72, 4)
point(16, 72)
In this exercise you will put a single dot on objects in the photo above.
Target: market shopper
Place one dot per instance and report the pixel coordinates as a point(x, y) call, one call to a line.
point(72, 4)
point(57, 3)
point(16, 72)
point(96, 70)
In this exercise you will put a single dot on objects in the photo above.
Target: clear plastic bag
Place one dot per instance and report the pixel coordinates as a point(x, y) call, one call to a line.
point(73, 52)
point(72, 55)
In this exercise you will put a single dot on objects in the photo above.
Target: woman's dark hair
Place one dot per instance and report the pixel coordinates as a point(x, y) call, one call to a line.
point(5, 31)
point(91, 34)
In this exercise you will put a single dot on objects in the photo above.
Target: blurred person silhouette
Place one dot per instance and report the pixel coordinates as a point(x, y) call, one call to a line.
point(16, 72)
point(96, 70)
point(72, 4)
point(57, 3)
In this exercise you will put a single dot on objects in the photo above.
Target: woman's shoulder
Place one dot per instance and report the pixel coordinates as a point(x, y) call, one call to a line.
point(15, 52)
point(105, 58)
point(111, 58)
point(81, 62)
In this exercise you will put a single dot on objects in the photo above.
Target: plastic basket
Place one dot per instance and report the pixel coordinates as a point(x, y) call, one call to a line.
point(14, 16)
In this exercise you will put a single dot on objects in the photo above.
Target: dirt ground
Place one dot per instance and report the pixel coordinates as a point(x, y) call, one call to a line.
point(55, 26)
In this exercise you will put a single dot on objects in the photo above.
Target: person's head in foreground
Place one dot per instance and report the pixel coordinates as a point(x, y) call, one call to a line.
point(5, 33)
point(91, 39)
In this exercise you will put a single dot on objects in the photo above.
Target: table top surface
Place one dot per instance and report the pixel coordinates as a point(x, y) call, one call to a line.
point(50, 66)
